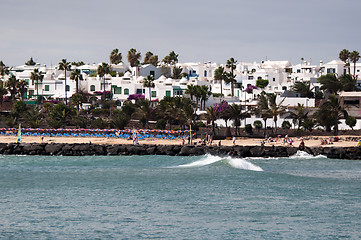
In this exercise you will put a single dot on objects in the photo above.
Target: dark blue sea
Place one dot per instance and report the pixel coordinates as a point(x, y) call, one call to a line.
point(164, 197)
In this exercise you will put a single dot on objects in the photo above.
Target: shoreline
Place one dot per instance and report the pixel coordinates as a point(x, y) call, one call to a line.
point(314, 141)
point(91, 149)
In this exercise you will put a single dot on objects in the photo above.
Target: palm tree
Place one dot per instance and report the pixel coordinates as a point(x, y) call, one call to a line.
point(197, 94)
point(102, 70)
point(149, 83)
point(330, 113)
point(115, 56)
point(171, 58)
point(275, 109)
point(299, 116)
point(22, 88)
point(133, 57)
point(191, 90)
point(147, 57)
point(263, 109)
point(303, 88)
point(77, 76)
point(236, 115)
point(4, 70)
point(65, 66)
point(30, 62)
point(348, 83)
point(36, 77)
point(205, 94)
point(344, 56)
point(77, 99)
point(212, 117)
point(220, 75)
point(11, 85)
point(3, 92)
point(330, 83)
point(231, 64)
point(354, 57)
point(177, 72)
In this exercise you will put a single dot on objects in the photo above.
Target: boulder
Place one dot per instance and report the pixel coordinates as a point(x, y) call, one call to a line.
point(53, 149)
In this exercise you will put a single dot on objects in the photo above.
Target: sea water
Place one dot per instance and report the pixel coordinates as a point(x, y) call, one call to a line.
point(203, 197)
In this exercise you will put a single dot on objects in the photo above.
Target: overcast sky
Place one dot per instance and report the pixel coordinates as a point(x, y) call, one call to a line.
point(198, 30)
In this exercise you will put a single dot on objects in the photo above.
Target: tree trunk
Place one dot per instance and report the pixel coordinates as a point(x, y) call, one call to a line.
point(265, 127)
point(275, 120)
point(66, 96)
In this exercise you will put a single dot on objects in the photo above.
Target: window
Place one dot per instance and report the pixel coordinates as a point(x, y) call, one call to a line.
point(92, 87)
point(178, 92)
point(331, 70)
point(205, 73)
point(126, 91)
point(259, 78)
point(143, 91)
point(250, 77)
point(284, 88)
point(117, 90)
point(31, 93)
point(298, 70)
point(352, 102)
point(274, 79)
point(46, 88)
point(139, 91)
point(154, 94)
point(67, 88)
point(152, 73)
point(167, 93)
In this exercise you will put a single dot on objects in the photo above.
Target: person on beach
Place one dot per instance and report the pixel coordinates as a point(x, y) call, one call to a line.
point(302, 145)
point(234, 140)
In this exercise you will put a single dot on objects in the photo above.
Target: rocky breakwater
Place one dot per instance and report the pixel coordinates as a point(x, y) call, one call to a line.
point(65, 149)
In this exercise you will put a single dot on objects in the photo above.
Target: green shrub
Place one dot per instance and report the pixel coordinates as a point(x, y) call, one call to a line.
point(257, 125)
point(248, 129)
point(286, 125)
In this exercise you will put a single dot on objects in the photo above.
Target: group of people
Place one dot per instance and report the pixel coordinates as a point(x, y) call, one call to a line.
point(329, 141)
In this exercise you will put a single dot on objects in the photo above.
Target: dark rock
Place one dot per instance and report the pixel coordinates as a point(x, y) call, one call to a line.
point(257, 151)
point(185, 150)
point(53, 149)
point(291, 151)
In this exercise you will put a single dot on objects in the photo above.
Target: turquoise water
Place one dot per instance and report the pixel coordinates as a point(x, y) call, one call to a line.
point(205, 197)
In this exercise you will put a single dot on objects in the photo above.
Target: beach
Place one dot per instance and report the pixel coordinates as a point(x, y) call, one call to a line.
point(314, 141)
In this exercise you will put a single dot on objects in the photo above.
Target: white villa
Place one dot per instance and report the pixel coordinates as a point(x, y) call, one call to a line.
point(129, 80)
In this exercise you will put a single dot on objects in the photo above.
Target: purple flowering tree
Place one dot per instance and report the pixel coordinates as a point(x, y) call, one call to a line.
point(250, 88)
point(136, 97)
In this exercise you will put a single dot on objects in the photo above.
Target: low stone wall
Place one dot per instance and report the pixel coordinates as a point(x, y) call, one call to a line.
point(89, 149)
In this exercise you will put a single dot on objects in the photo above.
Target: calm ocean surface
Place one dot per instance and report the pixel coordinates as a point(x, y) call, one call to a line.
point(205, 197)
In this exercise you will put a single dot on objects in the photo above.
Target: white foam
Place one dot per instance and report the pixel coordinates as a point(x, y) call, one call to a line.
point(243, 164)
point(233, 162)
point(209, 159)
point(304, 155)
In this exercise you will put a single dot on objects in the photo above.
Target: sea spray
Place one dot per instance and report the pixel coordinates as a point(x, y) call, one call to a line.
point(206, 160)
point(243, 164)
point(304, 155)
point(233, 162)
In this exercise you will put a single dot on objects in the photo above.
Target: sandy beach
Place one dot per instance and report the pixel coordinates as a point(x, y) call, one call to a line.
point(344, 141)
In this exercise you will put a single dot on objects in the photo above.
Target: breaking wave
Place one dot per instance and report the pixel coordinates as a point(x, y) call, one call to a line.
point(233, 162)
point(304, 155)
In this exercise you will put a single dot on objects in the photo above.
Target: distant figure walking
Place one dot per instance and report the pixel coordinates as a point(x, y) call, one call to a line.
point(234, 140)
